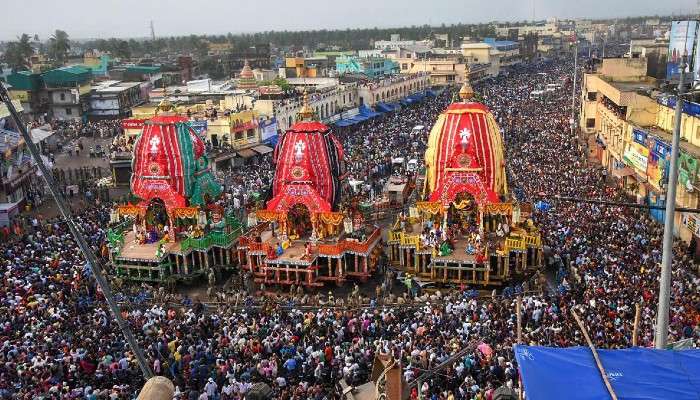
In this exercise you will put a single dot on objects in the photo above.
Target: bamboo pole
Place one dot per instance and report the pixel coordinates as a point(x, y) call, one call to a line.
point(635, 329)
point(603, 374)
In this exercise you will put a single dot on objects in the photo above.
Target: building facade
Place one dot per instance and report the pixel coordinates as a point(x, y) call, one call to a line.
point(630, 134)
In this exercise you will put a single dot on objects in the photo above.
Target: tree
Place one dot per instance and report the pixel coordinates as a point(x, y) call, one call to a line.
point(18, 53)
point(59, 45)
point(282, 83)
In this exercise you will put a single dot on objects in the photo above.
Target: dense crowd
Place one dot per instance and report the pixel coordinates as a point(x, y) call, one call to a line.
point(57, 339)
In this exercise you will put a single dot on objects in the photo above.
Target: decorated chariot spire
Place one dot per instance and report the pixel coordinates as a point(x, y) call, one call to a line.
point(306, 113)
point(466, 93)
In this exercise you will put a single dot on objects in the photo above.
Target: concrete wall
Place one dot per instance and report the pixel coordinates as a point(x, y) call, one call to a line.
point(624, 69)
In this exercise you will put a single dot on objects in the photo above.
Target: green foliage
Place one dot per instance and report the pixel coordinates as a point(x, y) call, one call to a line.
point(17, 54)
point(59, 45)
point(282, 83)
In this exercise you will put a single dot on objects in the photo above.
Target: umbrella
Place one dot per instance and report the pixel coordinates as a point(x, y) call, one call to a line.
point(485, 349)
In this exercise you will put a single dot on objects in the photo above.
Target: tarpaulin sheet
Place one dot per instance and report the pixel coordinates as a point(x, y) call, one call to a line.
point(636, 373)
point(383, 107)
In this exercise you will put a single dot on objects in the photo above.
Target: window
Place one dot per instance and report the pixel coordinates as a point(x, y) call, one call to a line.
point(63, 96)
point(239, 135)
point(404, 66)
point(69, 111)
point(590, 122)
point(251, 134)
point(592, 96)
point(697, 133)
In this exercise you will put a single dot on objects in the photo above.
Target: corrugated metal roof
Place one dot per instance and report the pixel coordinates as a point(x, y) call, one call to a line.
point(66, 75)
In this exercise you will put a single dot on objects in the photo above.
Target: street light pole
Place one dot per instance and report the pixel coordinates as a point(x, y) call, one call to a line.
point(573, 88)
point(662, 314)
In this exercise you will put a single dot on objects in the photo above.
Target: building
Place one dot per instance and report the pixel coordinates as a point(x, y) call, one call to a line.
point(396, 43)
point(441, 71)
point(510, 51)
point(114, 99)
point(372, 67)
point(329, 102)
point(16, 169)
point(391, 90)
point(68, 90)
point(483, 53)
point(307, 67)
point(629, 126)
point(27, 88)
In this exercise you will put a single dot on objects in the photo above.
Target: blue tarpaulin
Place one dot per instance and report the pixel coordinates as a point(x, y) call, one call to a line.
point(368, 112)
point(383, 107)
point(636, 373)
point(429, 92)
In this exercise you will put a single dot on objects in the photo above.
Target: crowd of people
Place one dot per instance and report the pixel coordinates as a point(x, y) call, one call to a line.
point(58, 340)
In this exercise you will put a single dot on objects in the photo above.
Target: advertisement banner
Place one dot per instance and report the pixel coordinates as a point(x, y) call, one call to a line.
point(691, 222)
point(200, 127)
point(640, 136)
point(636, 156)
point(659, 153)
point(133, 123)
point(681, 41)
point(268, 129)
point(687, 169)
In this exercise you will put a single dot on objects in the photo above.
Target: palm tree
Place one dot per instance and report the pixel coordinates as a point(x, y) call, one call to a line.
point(59, 45)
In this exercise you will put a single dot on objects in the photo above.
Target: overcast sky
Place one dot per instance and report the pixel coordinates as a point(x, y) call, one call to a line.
point(130, 18)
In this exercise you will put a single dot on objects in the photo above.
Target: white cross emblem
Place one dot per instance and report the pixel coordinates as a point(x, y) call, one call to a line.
point(155, 141)
point(465, 134)
point(299, 150)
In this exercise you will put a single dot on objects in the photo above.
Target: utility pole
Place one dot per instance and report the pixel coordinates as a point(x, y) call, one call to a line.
point(661, 337)
point(573, 88)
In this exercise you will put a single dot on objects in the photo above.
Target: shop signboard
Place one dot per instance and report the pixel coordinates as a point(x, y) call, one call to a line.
point(691, 222)
point(681, 41)
point(687, 169)
point(133, 123)
point(659, 153)
point(200, 127)
point(636, 156)
point(268, 130)
point(640, 136)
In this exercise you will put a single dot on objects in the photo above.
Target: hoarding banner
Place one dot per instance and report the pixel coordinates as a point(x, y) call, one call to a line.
point(636, 156)
point(681, 41)
point(640, 136)
point(268, 129)
point(133, 123)
point(199, 126)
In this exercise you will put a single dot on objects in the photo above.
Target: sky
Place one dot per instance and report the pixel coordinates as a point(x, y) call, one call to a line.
point(131, 18)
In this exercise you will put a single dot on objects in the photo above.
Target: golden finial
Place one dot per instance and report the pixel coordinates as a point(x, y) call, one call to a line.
point(466, 93)
point(306, 112)
point(165, 106)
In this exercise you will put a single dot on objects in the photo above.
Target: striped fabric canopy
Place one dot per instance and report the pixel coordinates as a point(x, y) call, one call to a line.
point(169, 163)
point(308, 153)
point(465, 153)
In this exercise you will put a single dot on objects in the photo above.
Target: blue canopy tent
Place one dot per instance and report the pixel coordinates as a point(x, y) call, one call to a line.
point(636, 373)
point(430, 93)
point(368, 112)
point(384, 107)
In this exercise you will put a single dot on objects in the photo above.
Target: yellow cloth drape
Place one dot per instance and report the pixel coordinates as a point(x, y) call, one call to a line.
point(430, 207)
point(185, 212)
point(268, 216)
point(498, 208)
point(500, 184)
point(431, 154)
point(332, 218)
